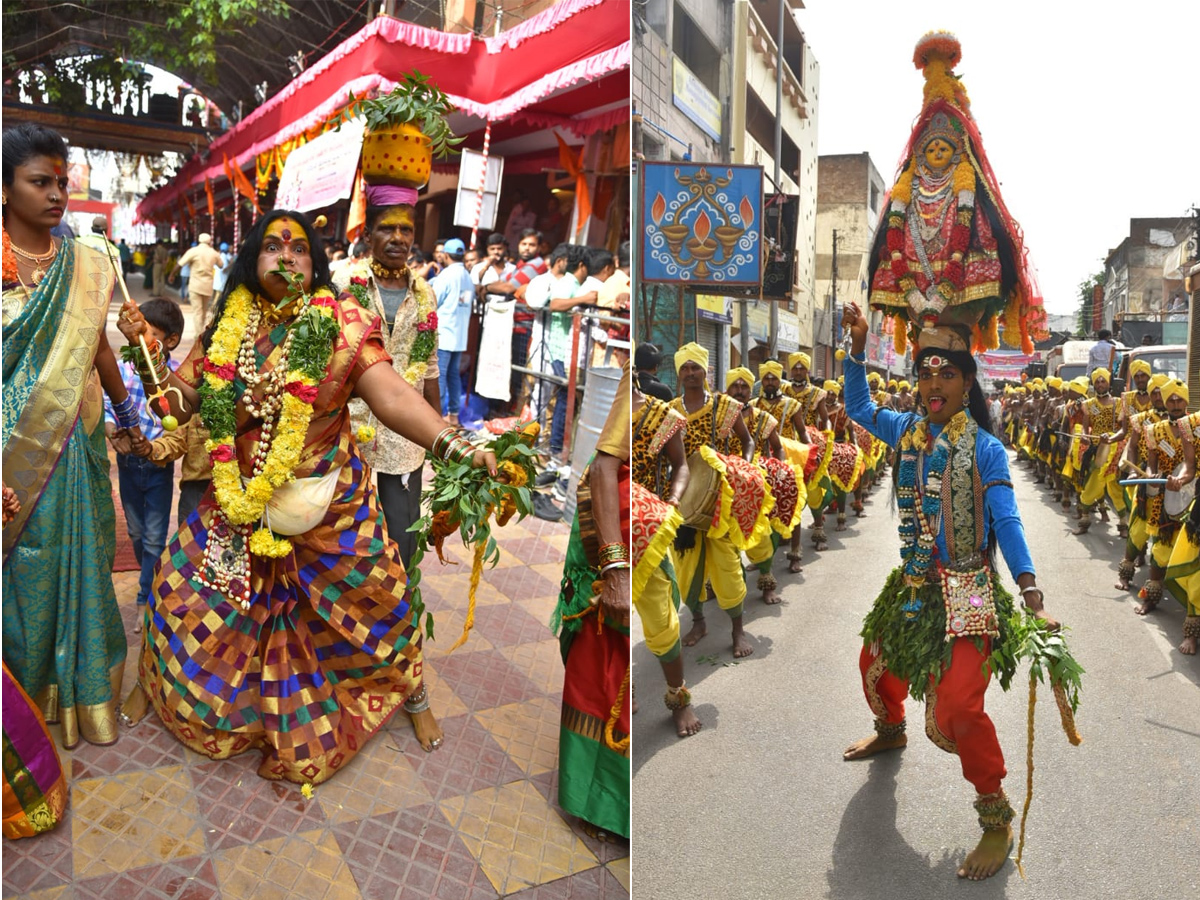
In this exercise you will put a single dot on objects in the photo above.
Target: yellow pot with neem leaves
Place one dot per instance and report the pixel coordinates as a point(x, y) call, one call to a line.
point(399, 155)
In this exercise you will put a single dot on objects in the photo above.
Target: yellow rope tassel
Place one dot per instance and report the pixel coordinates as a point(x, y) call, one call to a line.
point(613, 715)
point(1068, 717)
point(476, 574)
point(1028, 776)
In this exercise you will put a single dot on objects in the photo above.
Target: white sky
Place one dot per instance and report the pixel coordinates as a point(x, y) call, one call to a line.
point(1083, 108)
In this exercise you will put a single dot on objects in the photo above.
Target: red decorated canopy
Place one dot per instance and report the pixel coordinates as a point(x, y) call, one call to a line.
point(564, 70)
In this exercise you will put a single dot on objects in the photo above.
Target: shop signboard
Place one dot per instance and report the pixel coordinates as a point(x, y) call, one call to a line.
point(714, 309)
point(468, 203)
point(321, 172)
point(694, 100)
point(701, 224)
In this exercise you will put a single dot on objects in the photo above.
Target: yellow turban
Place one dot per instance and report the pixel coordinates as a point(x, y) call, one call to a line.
point(1055, 382)
point(692, 352)
point(770, 367)
point(1078, 385)
point(1157, 381)
point(874, 379)
point(1101, 373)
point(800, 357)
point(832, 387)
point(1139, 367)
point(1008, 390)
point(905, 386)
point(1175, 388)
point(741, 373)
point(892, 385)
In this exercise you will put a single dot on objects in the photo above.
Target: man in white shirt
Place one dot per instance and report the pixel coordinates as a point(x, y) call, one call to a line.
point(495, 267)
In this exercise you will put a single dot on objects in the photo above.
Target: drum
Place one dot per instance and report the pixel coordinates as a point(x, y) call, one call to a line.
point(698, 505)
point(781, 478)
point(649, 515)
point(1177, 503)
point(750, 503)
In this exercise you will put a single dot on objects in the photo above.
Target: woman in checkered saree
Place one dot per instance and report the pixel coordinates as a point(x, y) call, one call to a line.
point(330, 646)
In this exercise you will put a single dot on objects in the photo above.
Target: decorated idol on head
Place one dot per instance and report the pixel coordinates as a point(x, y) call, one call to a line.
point(947, 251)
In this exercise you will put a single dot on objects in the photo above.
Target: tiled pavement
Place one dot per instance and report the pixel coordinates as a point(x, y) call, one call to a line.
point(475, 819)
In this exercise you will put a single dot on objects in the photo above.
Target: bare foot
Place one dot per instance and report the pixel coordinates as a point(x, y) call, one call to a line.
point(769, 596)
point(821, 545)
point(841, 526)
point(741, 646)
point(794, 566)
point(428, 731)
point(686, 723)
point(1123, 585)
point(699, 630)
point(872, 745)
point(1188, 647)
point(989, 854)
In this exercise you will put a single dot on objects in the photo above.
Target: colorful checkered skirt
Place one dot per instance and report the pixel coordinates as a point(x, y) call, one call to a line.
point(325, 655)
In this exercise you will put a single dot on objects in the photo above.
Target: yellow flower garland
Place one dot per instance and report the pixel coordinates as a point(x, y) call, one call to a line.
point(245, 505)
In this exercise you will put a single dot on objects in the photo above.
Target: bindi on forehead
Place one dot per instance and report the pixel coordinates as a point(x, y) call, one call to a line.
point(286, 230)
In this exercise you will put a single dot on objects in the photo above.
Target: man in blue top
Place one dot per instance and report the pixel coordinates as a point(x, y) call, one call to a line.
point(454, 291)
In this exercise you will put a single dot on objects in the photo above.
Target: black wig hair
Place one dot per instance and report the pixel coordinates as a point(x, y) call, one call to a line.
point(244, 270)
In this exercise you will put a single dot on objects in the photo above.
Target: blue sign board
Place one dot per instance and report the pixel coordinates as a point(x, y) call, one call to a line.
point(701, 224)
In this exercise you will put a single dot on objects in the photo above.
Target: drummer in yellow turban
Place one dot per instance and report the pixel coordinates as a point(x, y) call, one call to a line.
point(1100, 479)
point(1142, 506)
point(701, 558)
point(816, 420)
point(774, 400)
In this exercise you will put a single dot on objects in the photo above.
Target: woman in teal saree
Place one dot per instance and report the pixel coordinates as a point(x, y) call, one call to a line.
point(63, 637)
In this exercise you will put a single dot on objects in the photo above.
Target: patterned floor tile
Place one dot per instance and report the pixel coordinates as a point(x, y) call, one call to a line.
point(452, 591)
point(448, 627)
point(127, 821)
point(378, 780)
point(528, 732)
point(469, 760)
point(518, 840)
point(303, 866)
point(540, 662)
point(63, 892)
point(239, 807)
point(525, 581)
point(486, 679)
point(620, 871)
point(541, 608)
point(442, 699)
point(147, 746)
point(534, 550)
point(614, 848)
point(39, 864)
point(509, 624)
point(189, 878)
point(412, 854)
point(594, 884)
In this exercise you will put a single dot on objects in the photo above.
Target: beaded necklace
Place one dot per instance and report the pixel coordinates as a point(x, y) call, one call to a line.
point(920, 505)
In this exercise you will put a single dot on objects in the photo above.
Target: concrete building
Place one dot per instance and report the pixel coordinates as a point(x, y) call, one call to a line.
point(1134, 283)
point(681, 84)
point(752, 124)
point(850, 194)
point(704, 84)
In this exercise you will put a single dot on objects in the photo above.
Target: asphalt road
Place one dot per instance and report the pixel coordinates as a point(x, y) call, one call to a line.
point(760, 803)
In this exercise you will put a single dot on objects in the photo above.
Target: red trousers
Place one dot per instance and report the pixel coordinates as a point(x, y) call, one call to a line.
point(954, 716)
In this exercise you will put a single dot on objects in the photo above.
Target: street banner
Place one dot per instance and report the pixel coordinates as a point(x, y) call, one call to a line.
point(321, 172)
point(701, 224)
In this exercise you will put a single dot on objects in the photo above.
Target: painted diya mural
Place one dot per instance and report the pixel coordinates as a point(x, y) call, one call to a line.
point(701, 224)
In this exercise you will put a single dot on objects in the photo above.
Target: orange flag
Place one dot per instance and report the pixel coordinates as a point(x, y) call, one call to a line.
point(212, 206)
point(574, 168)
point(241, 183)
point(191, 209)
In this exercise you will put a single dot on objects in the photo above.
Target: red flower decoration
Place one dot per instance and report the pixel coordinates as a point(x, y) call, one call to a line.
point(226, 372)
point(895, 240)
point(324, 301)
point(954, 274)
point(223, 453)
point(359, 280)
point(301, 391)
point(899, 267)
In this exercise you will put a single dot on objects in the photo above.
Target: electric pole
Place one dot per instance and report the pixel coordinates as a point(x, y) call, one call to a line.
point(833, 312)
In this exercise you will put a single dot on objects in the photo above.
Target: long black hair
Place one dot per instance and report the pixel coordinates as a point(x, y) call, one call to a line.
point(244, 270)
point(27, 140)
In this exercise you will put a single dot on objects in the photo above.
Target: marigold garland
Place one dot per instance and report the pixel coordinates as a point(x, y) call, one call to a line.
point(10, 274)
point(244, 505)
point(424, 344)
